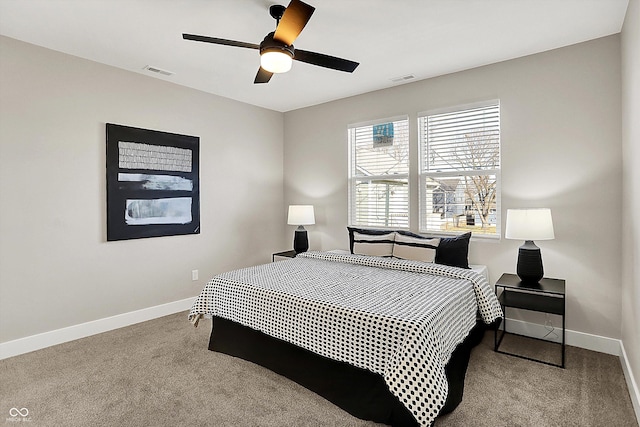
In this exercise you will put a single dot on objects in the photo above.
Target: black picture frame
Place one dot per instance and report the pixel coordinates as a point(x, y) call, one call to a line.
point(153, 183)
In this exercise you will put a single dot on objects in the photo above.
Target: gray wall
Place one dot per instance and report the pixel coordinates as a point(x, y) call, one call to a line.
point(561, 148)
point(57, 269)
point(631, 186)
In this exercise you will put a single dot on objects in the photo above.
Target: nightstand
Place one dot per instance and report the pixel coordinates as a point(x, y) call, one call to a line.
point(546, 296)
point(280, 256)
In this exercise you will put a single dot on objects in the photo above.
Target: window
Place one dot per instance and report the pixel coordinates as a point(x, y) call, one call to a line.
point(460, 170)
point(379, 173)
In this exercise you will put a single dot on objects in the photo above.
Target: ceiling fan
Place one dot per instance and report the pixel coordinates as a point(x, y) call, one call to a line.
point(276, 50)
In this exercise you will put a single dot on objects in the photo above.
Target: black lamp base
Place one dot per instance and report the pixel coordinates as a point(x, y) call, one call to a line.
point(300, 240)
point(529, 267)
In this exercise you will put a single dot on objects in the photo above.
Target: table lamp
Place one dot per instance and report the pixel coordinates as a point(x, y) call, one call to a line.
point(301, 215)
point(529, 225)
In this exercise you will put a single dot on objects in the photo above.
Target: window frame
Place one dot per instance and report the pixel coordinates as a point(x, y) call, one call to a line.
point(424, 172)
point(353, 179)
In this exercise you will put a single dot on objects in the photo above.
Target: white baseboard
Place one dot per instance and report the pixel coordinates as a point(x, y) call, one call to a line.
point(631, 381)
point(587, 341)
point(574, 338)
point(59, 336)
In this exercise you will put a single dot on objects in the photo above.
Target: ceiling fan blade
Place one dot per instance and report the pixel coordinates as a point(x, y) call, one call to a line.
point(263, 76)
point(326, 61)
point(215, 40)
point(295, 17)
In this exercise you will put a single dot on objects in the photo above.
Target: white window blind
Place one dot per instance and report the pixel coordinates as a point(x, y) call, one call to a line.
point(379, 173)
point(460, 170)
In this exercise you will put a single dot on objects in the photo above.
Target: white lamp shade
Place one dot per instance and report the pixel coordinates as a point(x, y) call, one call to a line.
point(276, 61)
point(301, 215)
point(529, 224)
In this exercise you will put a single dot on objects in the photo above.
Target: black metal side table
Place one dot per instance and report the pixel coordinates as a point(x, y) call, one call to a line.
point(546, 296)
point(280, 255)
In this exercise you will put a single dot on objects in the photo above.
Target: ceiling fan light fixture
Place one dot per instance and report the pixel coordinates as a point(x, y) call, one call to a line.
point(276, 60)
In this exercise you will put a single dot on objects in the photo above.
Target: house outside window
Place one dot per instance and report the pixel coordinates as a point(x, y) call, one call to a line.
point(460, 170)
point(379, 173)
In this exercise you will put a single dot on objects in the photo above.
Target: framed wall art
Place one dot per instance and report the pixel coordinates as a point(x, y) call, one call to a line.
point(153, 186)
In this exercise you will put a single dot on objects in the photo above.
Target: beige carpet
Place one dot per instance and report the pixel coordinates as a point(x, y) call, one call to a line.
point(160, 373)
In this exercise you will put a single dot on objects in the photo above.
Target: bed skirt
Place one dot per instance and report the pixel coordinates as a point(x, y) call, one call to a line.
point(360, 392)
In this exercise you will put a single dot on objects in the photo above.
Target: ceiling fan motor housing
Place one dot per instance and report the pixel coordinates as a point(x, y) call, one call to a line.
point(271, 45)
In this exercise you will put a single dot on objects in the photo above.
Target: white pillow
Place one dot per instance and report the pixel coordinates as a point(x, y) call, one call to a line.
point(375, 245)
point(415, 248)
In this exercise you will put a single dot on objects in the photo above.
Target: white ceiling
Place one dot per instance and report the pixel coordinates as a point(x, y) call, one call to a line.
point(390, 39)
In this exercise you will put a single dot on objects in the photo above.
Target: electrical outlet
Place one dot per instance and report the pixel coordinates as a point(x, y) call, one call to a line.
point(194, 274)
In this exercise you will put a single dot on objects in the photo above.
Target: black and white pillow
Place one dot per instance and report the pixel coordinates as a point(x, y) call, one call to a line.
point(366, 231)
point(375, 245)
point(452, 251)
point(416, 249)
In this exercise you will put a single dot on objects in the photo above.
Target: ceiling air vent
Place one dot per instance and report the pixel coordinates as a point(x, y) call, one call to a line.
point(159, 70)
point(403, 78)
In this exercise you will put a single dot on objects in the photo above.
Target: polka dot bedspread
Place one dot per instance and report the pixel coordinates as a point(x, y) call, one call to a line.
point(401, 319)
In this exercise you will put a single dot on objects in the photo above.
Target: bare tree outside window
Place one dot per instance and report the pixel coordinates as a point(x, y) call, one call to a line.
point(476, 151)
point(460, 170)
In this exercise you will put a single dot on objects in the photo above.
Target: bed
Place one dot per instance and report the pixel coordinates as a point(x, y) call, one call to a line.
point(386, 339)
